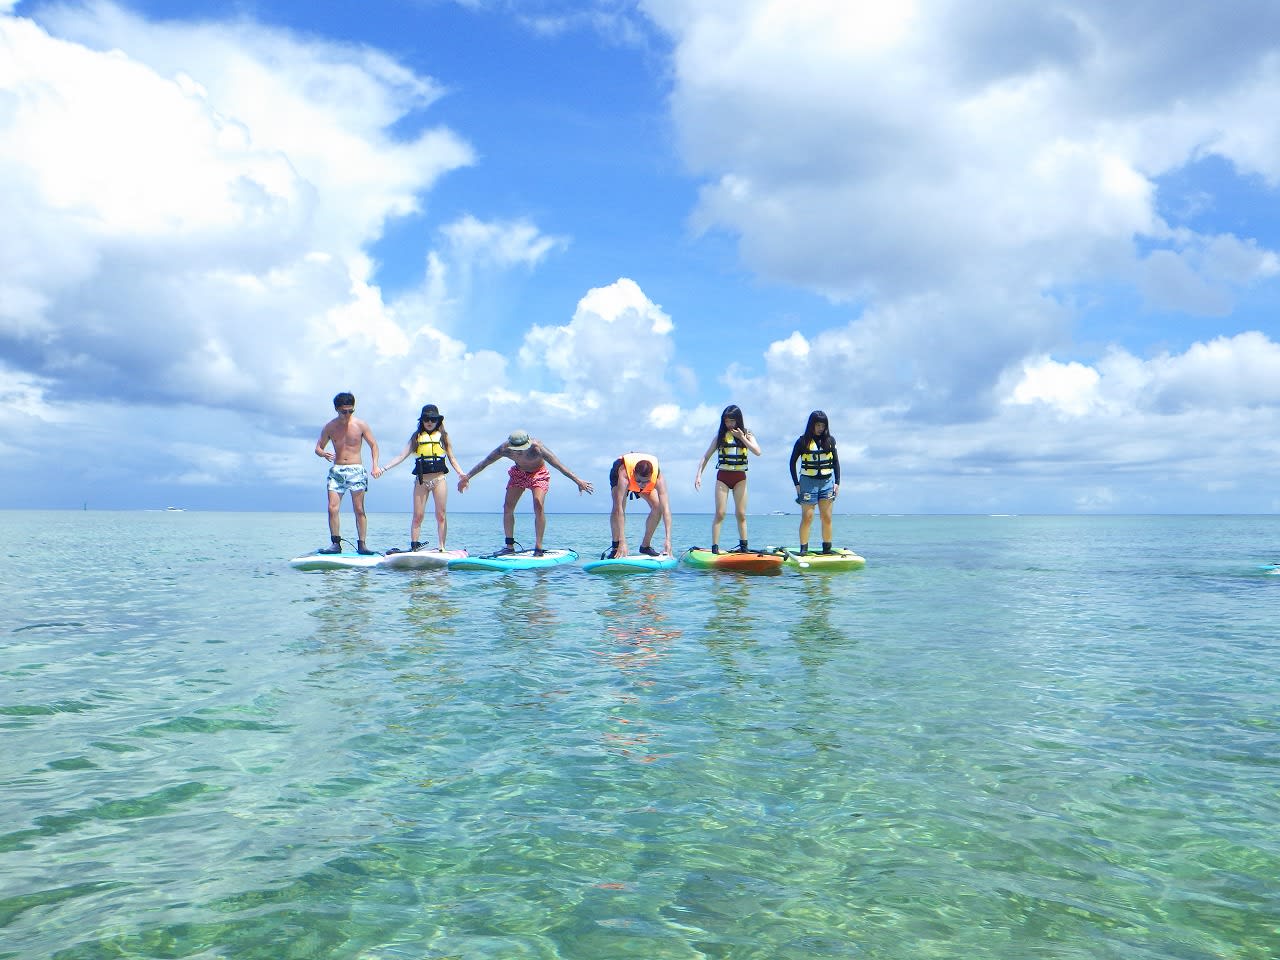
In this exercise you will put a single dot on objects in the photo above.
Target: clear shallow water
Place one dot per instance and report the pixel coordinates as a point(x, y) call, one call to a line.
point(1007, 737)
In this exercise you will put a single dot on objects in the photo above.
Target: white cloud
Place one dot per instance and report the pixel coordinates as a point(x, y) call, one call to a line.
point(188, 206)
point(612, 357)
point(1224, 373)
point(957, 184)
point(503, 244)
point(1068, 387)
point(189, 210)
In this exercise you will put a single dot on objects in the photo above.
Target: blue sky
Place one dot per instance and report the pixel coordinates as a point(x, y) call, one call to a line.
point(1024, 257)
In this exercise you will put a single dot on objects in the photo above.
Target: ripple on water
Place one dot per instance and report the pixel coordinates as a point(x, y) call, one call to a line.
point(1005, 738)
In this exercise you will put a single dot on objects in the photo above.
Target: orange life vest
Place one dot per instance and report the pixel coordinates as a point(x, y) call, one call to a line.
point(629, 461)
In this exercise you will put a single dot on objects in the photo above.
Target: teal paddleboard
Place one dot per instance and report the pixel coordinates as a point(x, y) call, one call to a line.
point(519, 560)
point(641, 563)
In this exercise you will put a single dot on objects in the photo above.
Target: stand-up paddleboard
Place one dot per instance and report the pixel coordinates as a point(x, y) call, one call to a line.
point(733, 561)
point(837, 559)
point(422, 559)
point(637, 563)
point(347, 560)
point(519, 560)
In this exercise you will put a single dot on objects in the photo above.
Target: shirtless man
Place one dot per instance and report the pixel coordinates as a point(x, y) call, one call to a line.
point(529, 473)
point(347, 434)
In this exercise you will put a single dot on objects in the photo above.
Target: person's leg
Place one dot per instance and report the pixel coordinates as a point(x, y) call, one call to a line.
point(509, 515)
point(362, 521)
point(335, 520)
point(722, 499)
point(539, 516)
point(740, 509)
point(651, 522)
point(335, 523)
point(824, 511)
point(806, 522)
point(440, 496)
point(419, 511)
point(617, 512)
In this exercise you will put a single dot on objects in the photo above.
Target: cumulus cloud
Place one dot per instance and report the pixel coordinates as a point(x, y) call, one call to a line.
point(857, 146)
point(1068, 387)
point(189, 210)
point(612, 356)
point(911, 159)
point(972, 184)
point(188, 206)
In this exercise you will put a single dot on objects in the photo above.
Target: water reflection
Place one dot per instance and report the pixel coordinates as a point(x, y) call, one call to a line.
point(345, 608)
point(637, 631)
point(637, 636)
point(814, 631)
point(730, 631)
point(524, 608)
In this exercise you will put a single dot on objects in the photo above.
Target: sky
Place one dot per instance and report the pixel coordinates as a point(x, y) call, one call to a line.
point(1024, 256)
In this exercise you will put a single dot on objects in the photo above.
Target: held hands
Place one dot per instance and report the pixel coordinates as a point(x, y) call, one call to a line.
point(462, 482)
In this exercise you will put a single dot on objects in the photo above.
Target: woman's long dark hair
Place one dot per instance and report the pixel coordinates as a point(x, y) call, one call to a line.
point(432, 410)
point(826, 441)
point(732, 410)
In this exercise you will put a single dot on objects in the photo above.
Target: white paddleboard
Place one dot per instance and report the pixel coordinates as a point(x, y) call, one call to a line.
point(347, 560)
point(421, 559)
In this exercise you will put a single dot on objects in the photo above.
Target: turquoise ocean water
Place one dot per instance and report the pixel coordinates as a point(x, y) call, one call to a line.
point(1007, 737)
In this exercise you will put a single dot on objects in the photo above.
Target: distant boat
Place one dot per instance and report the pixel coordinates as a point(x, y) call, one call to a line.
point(174, 510)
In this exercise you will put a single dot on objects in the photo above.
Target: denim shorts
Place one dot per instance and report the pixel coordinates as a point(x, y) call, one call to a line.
point(813, 489)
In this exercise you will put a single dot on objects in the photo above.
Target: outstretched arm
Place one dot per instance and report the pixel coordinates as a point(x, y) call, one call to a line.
point(551, 458)
point(466, 477)
point(398, 460)
point(448, 451)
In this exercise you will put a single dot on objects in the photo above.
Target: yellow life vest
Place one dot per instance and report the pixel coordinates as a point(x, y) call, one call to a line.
point(430, 454)
point(732, 454)
point(816, 462)
point(429, 445)
point(629, 461)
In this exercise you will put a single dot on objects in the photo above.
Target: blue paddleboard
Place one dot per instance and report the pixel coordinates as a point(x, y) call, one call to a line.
point(520, 560)
point(640, 563)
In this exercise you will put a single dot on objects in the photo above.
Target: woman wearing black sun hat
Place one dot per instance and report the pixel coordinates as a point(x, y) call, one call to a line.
point(430, 442)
